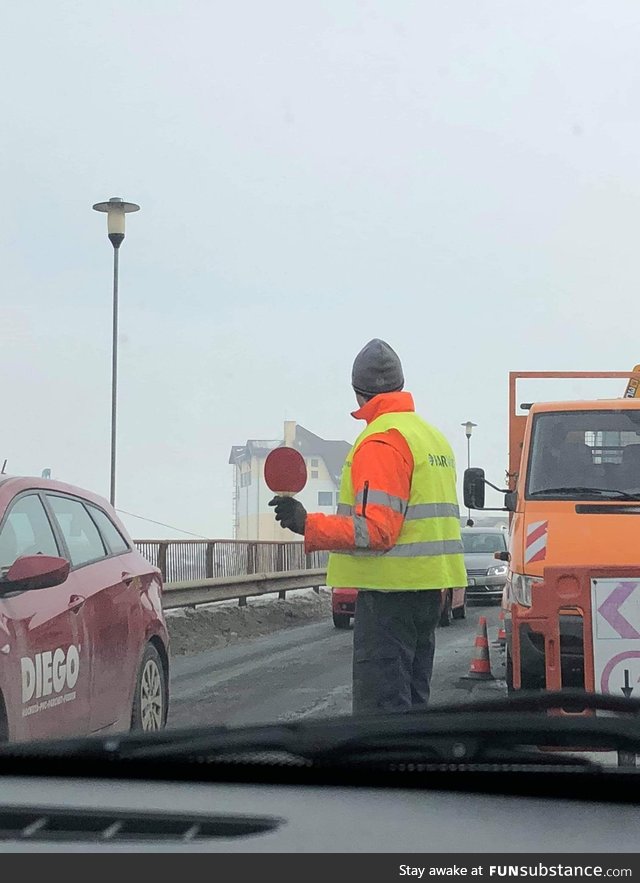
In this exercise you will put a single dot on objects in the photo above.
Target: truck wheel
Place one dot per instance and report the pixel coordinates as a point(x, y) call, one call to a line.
point(447, 614)
point(341, 620)
point(527, 680)
point(509, 672)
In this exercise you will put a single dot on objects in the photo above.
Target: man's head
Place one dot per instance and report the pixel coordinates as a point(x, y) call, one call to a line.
point(376, 369)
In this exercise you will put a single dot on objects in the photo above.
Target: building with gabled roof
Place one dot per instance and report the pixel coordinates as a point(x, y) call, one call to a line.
point(253, 519)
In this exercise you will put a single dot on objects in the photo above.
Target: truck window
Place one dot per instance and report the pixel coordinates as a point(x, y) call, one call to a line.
point(584, 454)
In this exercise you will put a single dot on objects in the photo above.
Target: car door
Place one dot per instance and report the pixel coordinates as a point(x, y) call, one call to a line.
point(44, 672)
point(108, 608)
point(133, 572)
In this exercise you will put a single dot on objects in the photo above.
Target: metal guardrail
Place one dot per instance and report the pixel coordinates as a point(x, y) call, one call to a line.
point(190, 593)
point(205, 571)
point(180, 560)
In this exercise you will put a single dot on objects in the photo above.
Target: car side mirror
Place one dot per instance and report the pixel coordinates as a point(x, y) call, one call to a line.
point(473, 488)
point(34, 572)
point(502, 556)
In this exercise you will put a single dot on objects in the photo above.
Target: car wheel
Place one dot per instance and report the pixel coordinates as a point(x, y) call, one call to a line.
point(341, 620)
point(150, 698)
point(447, 614)
point(460, 612)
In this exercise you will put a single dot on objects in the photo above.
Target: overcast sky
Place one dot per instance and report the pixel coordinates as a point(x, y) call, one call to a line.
point(461, 179)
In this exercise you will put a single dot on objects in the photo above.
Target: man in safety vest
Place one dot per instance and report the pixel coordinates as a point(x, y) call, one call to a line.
point(395, 537)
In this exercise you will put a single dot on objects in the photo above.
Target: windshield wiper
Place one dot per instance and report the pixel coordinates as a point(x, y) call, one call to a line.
point(516, 727)
point(618, 494)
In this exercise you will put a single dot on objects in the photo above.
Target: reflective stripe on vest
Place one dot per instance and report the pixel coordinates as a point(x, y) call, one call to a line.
point(413, 550)
point(429, 551)
point(422, 510)
point(361, 532)
point(380, 498)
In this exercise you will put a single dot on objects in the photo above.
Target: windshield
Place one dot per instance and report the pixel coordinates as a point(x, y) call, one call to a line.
point(331, 229)
point(592, 454)
point(484, 543)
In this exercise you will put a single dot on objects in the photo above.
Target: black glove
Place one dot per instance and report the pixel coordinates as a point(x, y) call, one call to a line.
point(290, 513)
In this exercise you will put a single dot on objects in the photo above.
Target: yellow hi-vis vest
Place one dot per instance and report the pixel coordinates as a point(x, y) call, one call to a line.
point(429, 551)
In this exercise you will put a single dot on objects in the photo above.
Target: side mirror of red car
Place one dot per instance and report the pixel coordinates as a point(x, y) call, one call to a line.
point(34, 572)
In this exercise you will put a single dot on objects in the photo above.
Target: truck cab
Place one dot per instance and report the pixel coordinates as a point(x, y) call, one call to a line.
point(573, 501)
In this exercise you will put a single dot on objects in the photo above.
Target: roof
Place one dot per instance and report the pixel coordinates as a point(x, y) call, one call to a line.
point(587, 405)
point(253, 448)
point(333, 452)
point(18, 483)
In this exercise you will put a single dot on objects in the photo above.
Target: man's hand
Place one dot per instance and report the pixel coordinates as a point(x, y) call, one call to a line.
point(290, 513)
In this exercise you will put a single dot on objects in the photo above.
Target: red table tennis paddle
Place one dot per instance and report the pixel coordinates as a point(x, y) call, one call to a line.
point(285, 472)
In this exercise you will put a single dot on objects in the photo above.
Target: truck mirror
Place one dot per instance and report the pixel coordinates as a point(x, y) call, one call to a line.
point(473, 488)
point(510, 499)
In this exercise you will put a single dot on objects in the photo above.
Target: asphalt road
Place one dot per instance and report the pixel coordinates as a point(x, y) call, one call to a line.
point(306, 671)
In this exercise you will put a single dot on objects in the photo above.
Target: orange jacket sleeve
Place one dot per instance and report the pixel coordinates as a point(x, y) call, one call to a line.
point(381, 471)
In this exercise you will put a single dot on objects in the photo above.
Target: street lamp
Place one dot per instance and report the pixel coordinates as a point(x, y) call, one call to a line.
point(116, 208)
point(468, 427)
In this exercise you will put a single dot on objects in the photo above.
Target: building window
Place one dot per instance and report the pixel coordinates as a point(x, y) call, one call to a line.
point(245, 479)
point(314, 473)
point(325, 498)
point(314, 464)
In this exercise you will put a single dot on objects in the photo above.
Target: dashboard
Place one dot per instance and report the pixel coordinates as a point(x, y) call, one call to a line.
point(42, 814)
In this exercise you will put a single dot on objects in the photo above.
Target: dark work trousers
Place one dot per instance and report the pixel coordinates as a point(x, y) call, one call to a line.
point(394, 640)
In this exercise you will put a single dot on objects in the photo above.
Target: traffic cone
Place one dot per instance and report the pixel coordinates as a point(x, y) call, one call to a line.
point(502, 635)
point(480, 668)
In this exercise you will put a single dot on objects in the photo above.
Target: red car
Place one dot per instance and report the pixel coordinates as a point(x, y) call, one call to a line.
point(83, 640)
point(343, 604)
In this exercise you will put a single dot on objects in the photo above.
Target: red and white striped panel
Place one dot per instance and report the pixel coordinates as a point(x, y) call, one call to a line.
point(536, 542)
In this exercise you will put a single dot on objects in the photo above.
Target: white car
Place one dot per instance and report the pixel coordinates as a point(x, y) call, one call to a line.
point(486, 575)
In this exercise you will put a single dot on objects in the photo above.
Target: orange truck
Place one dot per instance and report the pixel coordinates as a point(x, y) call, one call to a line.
point(572, 597)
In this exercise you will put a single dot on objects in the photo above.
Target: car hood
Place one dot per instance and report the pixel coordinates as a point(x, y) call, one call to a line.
point(479, 561)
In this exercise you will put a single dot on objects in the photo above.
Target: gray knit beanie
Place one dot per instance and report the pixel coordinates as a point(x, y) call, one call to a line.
point(377, 369)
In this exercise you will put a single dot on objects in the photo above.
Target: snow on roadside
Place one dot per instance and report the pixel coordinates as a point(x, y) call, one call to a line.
point(255, 601)
point(211, 626)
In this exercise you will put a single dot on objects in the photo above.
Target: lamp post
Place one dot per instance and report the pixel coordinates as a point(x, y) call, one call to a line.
point(116, 208)
point(468, 428)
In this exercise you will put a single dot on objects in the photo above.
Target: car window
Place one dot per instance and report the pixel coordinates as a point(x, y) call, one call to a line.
point(80, 533)
point(478, 543)
point(26, 531)
point(113, 539)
